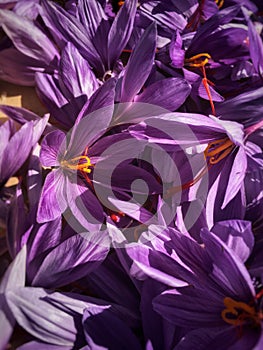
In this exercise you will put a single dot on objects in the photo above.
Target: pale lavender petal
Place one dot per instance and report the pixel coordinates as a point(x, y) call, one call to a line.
point(33, 345)
point(40, 318)
point(14, 277)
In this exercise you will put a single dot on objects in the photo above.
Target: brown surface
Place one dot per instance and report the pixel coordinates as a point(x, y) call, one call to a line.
point(20, 96)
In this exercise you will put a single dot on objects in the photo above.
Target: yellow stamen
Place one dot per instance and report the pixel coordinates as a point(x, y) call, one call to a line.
point(199, 60)
point(236, 312)
point(120, 3)
point(218, 150)
point(219, 3)
point(76, 164)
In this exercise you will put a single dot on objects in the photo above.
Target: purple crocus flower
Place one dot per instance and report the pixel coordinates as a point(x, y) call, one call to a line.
point(99, 40)
point(213, 293)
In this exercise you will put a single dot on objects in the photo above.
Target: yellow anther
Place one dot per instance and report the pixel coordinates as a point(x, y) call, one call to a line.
point(218, 150)
point(219, 3)
point(237, 312)
point(199, 60)
point(81, 163)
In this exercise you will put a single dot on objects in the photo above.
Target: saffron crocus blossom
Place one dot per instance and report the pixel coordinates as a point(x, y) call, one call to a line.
point(219, 304)
point(99, 40)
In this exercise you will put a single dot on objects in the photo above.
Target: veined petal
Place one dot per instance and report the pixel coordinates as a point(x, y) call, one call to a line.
point(52, 201)
point(27, 37)
point(73, 259)
point(139, 65)
point(236, 177)
point(120, 31)
point(17, 151)
point(76, 73)
point(168, 93)
point(53, 147)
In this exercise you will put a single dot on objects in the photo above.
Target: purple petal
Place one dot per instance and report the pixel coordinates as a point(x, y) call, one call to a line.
point(238, 236)
point(97, 320)
point(52, 148)
point(162, 93)
point(139, 65)
point(35, 45)
point(85, 206)
point(17, 151)
point(14, 277)
point(73, 259)
point(153, 264)
point(236, 177)
point(52, 202)
point(76, 73)
point(40, 318)
point(120, 31)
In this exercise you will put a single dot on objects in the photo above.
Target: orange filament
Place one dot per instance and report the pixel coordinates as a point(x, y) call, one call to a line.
point(214, 153)
point(76, 164)
point(177, 189)
point(237, 313)
point(219, 3)
point(120, 3)
point(218, 150)
point(199, 60)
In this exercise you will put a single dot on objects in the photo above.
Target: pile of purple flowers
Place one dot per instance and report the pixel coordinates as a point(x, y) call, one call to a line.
point(131, 213)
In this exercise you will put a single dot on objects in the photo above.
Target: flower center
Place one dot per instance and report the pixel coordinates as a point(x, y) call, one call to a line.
point(81, 163)
point(237, 313)
point(218, 150)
